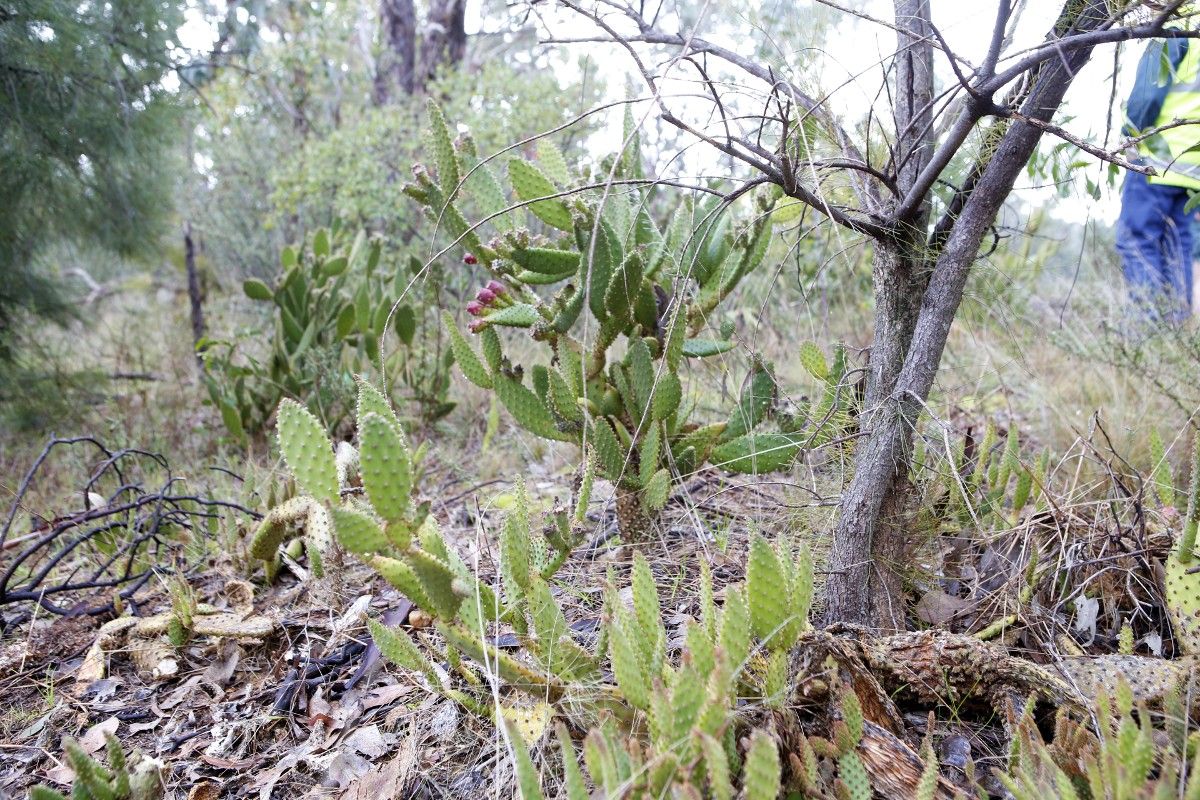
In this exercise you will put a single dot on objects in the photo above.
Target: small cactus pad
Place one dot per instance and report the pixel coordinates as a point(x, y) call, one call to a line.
point(274, 526)
point(357, 532)
point(386, 467)
point(756, 453)
point(1183, 602)
point(307, 451)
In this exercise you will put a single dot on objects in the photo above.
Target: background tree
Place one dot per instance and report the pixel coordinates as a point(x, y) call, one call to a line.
point(86, 129)
point(901, 187)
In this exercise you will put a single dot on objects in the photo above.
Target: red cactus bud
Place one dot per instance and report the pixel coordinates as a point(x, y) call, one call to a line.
point(497, 288)
point(470, 260)
point(477, 325)
point(476, 308)
point(485, 297)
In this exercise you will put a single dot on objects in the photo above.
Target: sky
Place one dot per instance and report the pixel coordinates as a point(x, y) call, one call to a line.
point(851, 54)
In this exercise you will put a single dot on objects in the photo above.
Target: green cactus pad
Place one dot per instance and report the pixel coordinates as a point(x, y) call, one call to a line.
point(538, 279)
point(758, 395)
point(766, 589)
point(403, 577)
point(386, 468)
point(371, 400)
point(734, 634)
point(563, 399)
point(551, 160)
point(509, 669)
point(518, 315)
point(396, 646)
point(761, 773)
point(437, 582)
point(622, 290)
point(357, 532)
point(627, 666)
point(529, 184)
point(667, 396)
point(546, 261)
point(610, 454)
point(318, 528)
point(464, 355)
point(756, 453)
point(526, 408)
point(704, 348)
point(1183, 602)
point(307, 451)
point(656, 490)
point(275, 525)
point(443, 146)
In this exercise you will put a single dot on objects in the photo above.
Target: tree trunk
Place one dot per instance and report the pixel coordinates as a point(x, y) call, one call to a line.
point(395, 71)
point(445, 39)
point(899, 276)
point(861, 588)
point(195, 294)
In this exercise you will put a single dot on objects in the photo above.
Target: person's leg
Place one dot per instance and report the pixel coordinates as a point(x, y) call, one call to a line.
point(1177, 249)
point(1141, 233)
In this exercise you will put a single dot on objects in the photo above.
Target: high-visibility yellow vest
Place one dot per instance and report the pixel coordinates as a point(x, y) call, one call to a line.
point(1175, 152)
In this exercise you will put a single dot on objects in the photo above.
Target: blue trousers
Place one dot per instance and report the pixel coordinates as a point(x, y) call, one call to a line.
point(1154, 239)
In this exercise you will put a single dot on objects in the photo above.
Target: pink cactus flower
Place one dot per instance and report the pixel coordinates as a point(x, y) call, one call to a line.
point(476, 308)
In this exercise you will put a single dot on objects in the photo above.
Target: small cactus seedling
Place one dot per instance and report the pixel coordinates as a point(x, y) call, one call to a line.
point(138, 778)
point(623, 281)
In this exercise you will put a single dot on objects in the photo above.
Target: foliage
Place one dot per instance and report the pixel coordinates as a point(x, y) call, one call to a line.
point(331, 309)
point(687, 705)
point(1125, 760)
point(655, 291)
point(138, 778)
point(85, 126)
point(989, 488)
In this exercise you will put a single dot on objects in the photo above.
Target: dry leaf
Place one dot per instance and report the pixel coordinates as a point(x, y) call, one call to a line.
point(93, 741)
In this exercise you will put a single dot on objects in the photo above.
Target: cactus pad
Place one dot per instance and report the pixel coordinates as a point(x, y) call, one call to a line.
point(529, 184)
point(357, 532)
point(386, 467)
point(275, 525)
point(1183, 602)
point(307, 451)
point(756, 452)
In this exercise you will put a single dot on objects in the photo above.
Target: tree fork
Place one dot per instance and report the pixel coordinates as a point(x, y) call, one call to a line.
point(863, 540)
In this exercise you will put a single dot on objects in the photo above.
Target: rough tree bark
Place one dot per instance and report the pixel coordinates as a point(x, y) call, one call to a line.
point(395, 71)
point(195, 293)
point(856, 592)
point(400, 72)
point(445, 39)
point(899, 275)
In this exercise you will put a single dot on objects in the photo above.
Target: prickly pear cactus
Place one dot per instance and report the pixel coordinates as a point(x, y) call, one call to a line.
point(1182, 573)
point(332, 307)
point(139, 778)
point(632, 303)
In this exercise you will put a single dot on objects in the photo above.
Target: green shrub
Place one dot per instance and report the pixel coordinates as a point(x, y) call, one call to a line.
point(331, 309)
point(626, 286)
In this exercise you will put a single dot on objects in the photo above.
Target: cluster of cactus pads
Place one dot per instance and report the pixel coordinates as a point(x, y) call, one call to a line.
point(632, 302)
point(665, 721)
point(332, 305)
point(139, 778)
